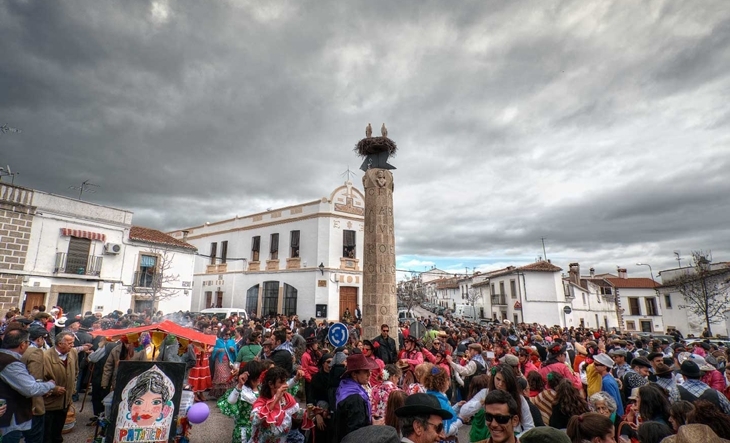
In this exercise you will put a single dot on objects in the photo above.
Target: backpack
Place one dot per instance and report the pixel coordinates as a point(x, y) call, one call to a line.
point(481, 369)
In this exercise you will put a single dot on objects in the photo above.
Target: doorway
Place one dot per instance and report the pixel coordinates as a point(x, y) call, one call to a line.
point(348, 299)
point(72, 304)
point(32, 300)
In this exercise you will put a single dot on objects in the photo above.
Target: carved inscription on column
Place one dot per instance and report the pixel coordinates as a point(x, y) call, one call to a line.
point(379, 285)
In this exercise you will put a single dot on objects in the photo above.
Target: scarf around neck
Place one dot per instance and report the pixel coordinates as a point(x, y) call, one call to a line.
point(350, 387)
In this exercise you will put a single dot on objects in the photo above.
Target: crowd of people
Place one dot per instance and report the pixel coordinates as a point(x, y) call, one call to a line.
point(280, 380)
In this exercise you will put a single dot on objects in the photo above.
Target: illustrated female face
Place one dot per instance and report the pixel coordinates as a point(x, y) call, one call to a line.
point(147, 409)
point(499, 382)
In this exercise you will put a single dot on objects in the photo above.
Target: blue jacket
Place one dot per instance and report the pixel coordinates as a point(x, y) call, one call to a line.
point(608, 384)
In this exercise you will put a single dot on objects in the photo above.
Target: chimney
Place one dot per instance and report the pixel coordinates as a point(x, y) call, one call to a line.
point(185, 233)
point(622, 273)
point(574, 273)
point(593, 272)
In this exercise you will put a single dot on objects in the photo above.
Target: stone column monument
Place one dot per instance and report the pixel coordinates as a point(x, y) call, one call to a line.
point(379, 300)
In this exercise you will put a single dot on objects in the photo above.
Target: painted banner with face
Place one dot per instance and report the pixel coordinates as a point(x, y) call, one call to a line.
point(146, 401)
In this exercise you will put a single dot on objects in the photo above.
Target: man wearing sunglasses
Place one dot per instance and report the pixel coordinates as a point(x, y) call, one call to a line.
point(385, 346)
point(422, 419)
point(500, 415)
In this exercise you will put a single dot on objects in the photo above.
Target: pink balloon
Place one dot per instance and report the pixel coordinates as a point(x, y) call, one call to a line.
point(198, 413)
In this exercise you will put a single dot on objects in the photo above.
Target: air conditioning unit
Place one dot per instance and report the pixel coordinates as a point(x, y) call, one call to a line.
point(112, 248)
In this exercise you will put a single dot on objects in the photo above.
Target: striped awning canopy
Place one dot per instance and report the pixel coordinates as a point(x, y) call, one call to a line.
point(67, 232)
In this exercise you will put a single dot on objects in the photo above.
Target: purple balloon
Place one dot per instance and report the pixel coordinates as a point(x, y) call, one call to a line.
point(198, 413)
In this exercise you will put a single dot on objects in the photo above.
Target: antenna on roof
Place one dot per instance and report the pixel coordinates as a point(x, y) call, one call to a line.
point(86, 186)
point(348, 173)
point(6, 172)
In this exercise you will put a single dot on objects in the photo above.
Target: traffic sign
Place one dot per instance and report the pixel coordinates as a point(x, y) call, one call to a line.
point(567, 310)
point(416, 329)
point(338, 335)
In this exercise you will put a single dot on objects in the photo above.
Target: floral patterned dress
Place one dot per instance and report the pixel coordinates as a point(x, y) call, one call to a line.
point(239, 405)
point(415, 388)
point(379, 397)
point(272, 424)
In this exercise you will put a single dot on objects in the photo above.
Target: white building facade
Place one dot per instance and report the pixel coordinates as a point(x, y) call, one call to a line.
point(303, 259)
point(80, 256)
point(674, 306)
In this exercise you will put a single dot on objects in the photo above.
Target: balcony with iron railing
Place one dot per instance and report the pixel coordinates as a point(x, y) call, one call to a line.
point(78, 264)
point(499, 299)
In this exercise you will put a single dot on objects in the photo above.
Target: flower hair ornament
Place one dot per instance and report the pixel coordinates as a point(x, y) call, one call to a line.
point(386, 374)
point(550, 376)
point(434, 370)
point(494, 371)
point(262, 376)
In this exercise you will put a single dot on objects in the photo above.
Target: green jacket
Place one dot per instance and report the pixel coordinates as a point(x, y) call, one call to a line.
point(248, 352)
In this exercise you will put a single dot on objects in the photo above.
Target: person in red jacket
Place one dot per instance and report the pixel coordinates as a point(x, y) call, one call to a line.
point(376, 375)
point(526, 364)
point(310, 358)
point(710, 376)
point(556, 363)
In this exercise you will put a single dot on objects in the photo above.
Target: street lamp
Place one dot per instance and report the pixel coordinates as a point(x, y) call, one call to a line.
point(650, 270)
point(321, 267)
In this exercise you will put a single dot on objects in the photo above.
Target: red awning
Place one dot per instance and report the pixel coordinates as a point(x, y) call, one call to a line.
point(66, 232)
point(166, 326)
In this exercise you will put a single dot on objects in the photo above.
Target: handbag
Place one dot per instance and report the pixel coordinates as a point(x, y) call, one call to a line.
point(70, 420)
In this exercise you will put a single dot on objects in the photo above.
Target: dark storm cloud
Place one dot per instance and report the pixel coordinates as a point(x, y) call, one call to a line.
point(600, 125)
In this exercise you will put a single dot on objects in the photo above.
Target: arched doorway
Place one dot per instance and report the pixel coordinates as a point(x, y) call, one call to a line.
point(290, 300)
point(270, 300)
point(252, 300)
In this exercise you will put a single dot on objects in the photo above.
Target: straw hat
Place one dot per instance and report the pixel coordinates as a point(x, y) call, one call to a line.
point(694, 433)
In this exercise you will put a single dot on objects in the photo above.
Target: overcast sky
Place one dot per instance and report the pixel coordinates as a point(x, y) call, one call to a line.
point(601, 126)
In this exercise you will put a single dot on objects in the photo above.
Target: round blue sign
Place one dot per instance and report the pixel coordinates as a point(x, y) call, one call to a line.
point(338, 335)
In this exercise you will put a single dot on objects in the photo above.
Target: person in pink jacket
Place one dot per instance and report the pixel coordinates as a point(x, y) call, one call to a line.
point(556, 363)
point(410, 353)
point(526, 364)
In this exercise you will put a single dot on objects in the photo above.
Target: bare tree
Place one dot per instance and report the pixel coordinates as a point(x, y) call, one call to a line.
point(158, 283)
point(472, 295)
point(706, 291)
point(412, 292)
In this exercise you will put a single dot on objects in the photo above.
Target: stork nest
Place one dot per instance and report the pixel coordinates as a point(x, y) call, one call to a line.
point(375, 145)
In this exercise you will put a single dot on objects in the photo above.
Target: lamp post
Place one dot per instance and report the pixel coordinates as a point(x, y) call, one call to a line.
point(651, 272)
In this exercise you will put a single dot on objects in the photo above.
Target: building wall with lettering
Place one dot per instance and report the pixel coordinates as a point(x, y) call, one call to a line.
point(321, 225)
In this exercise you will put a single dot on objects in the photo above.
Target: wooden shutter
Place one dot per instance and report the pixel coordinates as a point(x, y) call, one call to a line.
point(224, 251)
point(213, 252)
point(294, 239)
point(78, 255)
point(274, 243)
point(348, 238)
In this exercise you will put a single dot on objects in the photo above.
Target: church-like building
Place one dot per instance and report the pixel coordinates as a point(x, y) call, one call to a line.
point(304, 259)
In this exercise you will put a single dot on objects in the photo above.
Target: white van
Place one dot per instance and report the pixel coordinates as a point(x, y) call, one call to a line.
point(406, 314)
point(223, 313)
point(466, 312)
